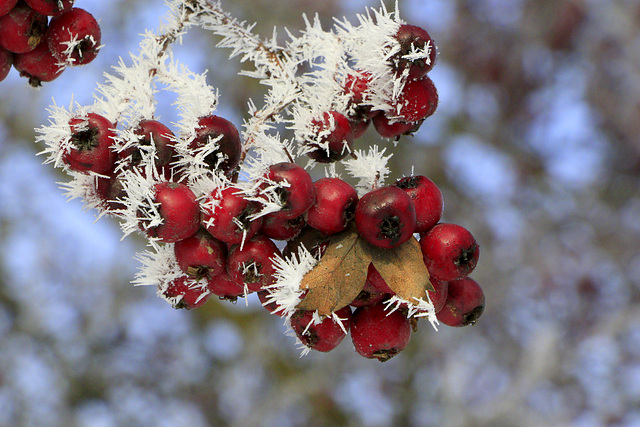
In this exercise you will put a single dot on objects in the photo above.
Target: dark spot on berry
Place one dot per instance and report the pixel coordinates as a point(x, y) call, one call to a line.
point(390, 228)
point(408, 182)
point(86, 139)
point(472, 317)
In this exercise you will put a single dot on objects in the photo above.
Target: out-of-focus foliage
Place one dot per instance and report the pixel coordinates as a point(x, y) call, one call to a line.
point(536, 146)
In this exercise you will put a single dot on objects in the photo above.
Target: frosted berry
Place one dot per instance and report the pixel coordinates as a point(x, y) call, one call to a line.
point(417, 101)
point(385, 217)
point(74, 37)
point(152, 132)
point(427, 199)
point(22, 29)
point(110, 190)
point(50, 7)
point(333, 138)
point(379, 334)
point(180, 212)
point(201, 255)
point(90, 144)
point(387, 128)
point(324, 336)
point(464, 304)
point(6, 60)
point(6, 6)
point(293, 189)
point(411, 37)
point(38, 65)
point(271, 306)
point(334, 206)
point(222, 140)
point(278, 228)
point(227, 216)
point(184, 293)
point(252, 262)
point(450, 251)
point(225, 287)
point(356, 86)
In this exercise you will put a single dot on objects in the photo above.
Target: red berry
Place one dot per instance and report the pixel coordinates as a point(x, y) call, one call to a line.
point(225, 287)
point(38, 65)
point(334, 206)
point(385, 217)
point(450, 251)
point(278, 228)
point(110, 190)
point(188, 294)
point(152, 132)
point(6, 60)
point(376, 280)
point(22, 29)
point(74, 37)
point(180, 212)
point(464, 304)
point(388, 129)
point(410, 37)
point(374, 291)
point(201, 255)
point(334, 138)
point(252, 264)
point(229, 221)
point(91, 141)
point(427, 200)
point(271, 306)
point(356, 86)
point(324, 336)
point(377, 333)
point(294, 189)
point(6, 6)
point(50, 7)
point(439, 294)
point(417, 101)
point(223, 139)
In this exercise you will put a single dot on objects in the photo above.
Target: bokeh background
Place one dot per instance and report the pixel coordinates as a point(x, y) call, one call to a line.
point(536, 147)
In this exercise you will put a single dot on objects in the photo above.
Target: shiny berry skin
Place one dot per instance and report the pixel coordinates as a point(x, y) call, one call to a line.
point(324, 336)
point(90, 144)
point(229, 221)
point(6, 60)
point(450, 251)
point(22, 29)
point(252, 264)
point(50, 7)
point(388, 129)
point(79, 27)
point(294, 189)
point(464, 304)
point(152, 132)
point(189, 294)
point(439, 294)
point(180, 212)
point(375, 289)
point(334, 206)
point(379, 334)
point(6, 6)
point(385, 217)
point(278, 228)
point(201, 255)
point(225, 287)
point(224, 135)
point(427, 199)
point(334, 138)
point(38, 65)
point(408, 36)
point(109, 189)
point(417, 101)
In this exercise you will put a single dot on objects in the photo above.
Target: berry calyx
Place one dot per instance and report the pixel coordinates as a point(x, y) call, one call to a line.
point(227, 215)
point(323, 336)
point(464, 305)
point(90, 144)
point(450, 251)
point(385, 217)
point(22, 29)
point(427, 199)
point(180, 212)
point(201, 255)
point(221, 140)
point(38, 65)
point(334, 206)
point(252, 262)
point(74, 37)
point(379, 334)
point(186, 294)
point(293, 188)
point(413, 38)
point(334, 138)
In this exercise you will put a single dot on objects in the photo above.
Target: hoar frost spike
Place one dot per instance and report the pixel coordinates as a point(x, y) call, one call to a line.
point(210, 196)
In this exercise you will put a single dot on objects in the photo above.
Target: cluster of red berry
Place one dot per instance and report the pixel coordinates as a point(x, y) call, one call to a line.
point(40, 38)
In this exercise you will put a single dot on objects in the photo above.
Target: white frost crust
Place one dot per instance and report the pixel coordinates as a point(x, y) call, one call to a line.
point(418, 308)
point(370, 168)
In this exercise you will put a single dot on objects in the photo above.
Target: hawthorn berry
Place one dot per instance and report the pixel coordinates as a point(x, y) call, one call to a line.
point(180, 212)
point(293, 189)
point(38, 65)
point(427, 200)
point(91, 141)
point(74, 37)
point(110, 190)
point(222, 142)
point(22, 29)
point(225, 287)
point(385, 217)
point(379, 334)
point(412, 37)
point(6, 6)
point(271, 306)
point(417, 101)
point(464, 303)
point(184, 293)
point(50, 7)
point(252, 262)
point(278, 228)
point(450, 251)
point(201, 255)
point(393, 129)
point(6, 60)
point(227, 216)
point(334, 138)
point(334, 206)
point(439, 294)
point(375, 289)
point(152, 132)
point(324, 336)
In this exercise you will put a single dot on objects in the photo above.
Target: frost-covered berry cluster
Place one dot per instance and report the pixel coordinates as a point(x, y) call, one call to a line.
point(228, 211)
